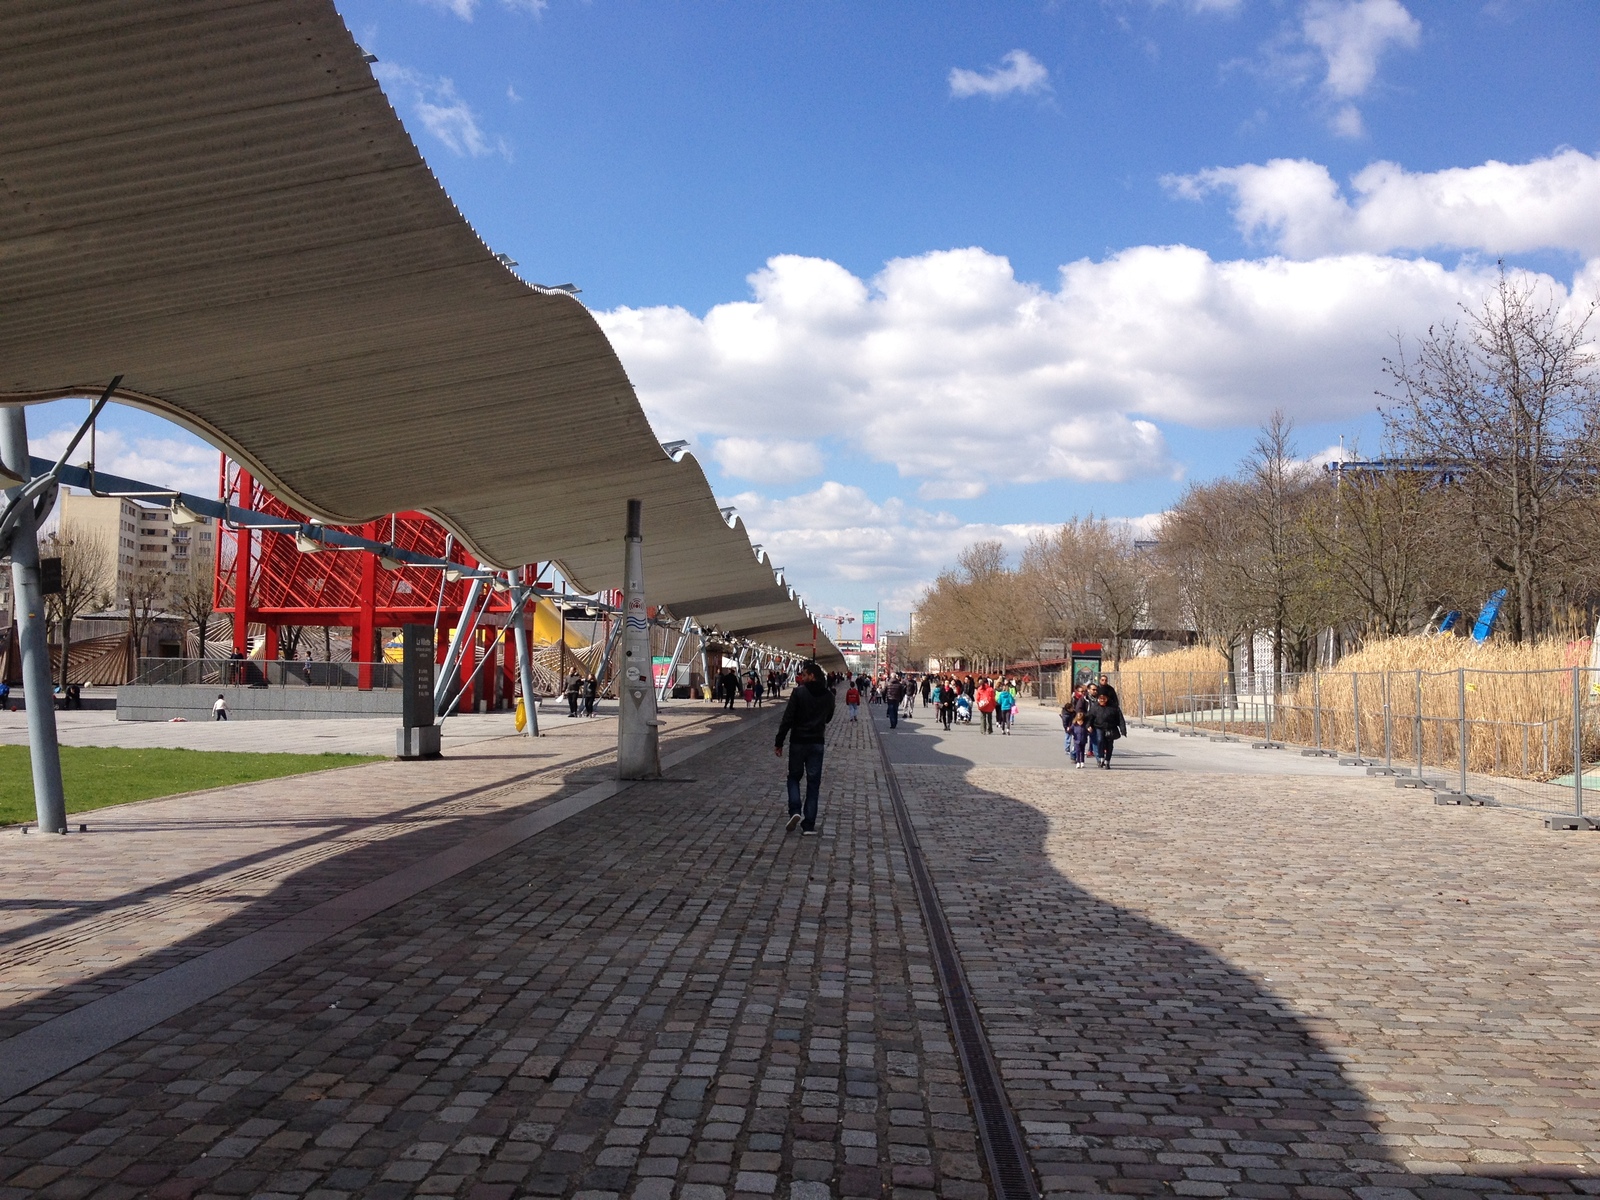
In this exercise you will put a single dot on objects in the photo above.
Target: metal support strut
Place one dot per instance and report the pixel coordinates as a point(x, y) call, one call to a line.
point(44, 752)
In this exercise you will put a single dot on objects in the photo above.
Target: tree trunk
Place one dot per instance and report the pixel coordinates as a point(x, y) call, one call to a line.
point(66, 647)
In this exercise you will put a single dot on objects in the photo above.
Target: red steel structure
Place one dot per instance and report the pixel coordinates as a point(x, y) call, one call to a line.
point(263, 578)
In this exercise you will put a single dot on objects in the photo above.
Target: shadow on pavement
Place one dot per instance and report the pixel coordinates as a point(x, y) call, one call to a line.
point(1137, 1060)
point(288, 890)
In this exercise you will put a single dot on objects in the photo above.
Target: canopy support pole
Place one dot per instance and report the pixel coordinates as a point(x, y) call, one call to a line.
point(638, 728)
point(530, 702)
point(466, 625)
point(677, 654)
point(44, 752)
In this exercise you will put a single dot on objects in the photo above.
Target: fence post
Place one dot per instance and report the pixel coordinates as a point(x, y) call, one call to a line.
point(1577, 741)
point(1355, 712)
point(1419, 728)
point(1388, 727)
point(1316, 708)
point(1267, 700)
point(1461, 706)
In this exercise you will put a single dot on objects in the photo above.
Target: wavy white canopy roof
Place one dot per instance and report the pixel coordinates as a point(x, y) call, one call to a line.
point(215, 200)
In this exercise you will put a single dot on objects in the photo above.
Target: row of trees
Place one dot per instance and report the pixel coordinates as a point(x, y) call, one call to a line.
point(1487, 480)
point(89, 584)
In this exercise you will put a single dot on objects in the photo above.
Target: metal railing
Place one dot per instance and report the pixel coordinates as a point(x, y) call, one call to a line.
point(1525, 739)
point(255, 672)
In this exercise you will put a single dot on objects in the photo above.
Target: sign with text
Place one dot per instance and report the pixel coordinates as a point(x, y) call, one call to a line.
point(869, 630)
point(416, 672)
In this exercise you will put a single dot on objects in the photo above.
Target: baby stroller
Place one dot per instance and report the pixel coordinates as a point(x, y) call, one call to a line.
point(964, 709)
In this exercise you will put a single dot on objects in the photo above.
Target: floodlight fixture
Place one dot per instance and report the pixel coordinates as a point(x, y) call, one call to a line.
point(306, 544)
point(673, 449)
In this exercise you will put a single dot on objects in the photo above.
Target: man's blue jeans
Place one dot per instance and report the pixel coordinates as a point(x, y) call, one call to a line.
point(805, 758)
point(892, 708)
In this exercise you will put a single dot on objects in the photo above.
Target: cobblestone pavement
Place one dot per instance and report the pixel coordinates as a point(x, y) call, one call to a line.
point(1215, 985)
point(158, 882)
point(664, 996)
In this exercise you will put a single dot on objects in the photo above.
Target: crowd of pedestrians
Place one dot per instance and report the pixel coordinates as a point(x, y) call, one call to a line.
point(1092, 718)
point(582, 693)
point(752, 686)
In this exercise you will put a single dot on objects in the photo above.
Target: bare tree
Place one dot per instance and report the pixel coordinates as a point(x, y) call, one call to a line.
point(1280, 570)
point(1208, 563)
point(192, 593)
point(1375, 533)
point(1091, 580)
point(86, 578)
point(1508, 403)
point(147, 594)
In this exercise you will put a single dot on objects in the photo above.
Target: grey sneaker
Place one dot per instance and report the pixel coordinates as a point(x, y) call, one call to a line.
point(794, 822)
point(808, 833)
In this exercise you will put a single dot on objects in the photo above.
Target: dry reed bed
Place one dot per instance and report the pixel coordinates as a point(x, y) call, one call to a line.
point(1402, 693)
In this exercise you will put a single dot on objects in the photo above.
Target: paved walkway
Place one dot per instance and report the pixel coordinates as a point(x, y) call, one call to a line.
point(1199, 978)
point(159, 882)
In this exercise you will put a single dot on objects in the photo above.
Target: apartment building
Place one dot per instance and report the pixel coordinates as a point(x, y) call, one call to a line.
point(140, 537)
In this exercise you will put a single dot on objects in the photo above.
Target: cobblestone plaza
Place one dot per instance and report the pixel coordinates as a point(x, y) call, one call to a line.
point(1211, 972)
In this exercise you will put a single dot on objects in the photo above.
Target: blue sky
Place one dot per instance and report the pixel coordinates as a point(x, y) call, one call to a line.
point(828, 239)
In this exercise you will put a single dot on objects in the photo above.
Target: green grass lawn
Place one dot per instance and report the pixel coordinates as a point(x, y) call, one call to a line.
point(96, 776)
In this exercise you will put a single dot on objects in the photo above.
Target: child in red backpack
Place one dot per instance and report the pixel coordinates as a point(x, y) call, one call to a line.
point(852, 701)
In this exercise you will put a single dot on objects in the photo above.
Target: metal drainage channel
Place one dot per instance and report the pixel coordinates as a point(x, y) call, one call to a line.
point(1003, 1146)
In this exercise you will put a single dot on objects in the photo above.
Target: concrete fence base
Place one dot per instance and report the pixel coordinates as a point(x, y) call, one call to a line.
point(163, 702)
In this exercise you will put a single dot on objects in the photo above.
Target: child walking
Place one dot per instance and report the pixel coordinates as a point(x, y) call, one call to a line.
point(1078, 739)
point(852, 701)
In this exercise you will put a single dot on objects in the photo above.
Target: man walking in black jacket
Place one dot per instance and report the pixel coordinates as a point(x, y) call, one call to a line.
point(805, 724)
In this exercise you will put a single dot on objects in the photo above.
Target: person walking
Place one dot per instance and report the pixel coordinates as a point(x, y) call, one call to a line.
point(1110, 693)
point(852, 701)
point(219, 710)
point(927, 690)
point(573, 692)
point(984, 700)
point(1006, 705)
point(591, 696)
point(1106, 720)
point(805, 724)
point(893, 696)
point(730, 687)
point(1077, 736)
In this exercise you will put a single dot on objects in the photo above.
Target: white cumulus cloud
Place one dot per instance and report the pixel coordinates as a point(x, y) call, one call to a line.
point(179, 462)
point(1495, 208)
point(1018, 71)
point(767, 460)
point(1352, 35)
point(434, 101)
point(962, 376)
point(465, 9)
point(841, 541)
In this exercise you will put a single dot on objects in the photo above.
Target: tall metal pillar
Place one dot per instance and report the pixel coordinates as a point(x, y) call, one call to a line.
point(49, 799)
point(243, 550)
point(465, 624)
point(525, 618)
point(364, 637)
point(638, 732)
